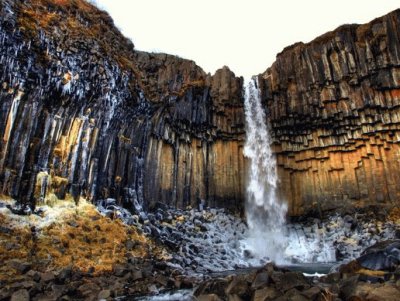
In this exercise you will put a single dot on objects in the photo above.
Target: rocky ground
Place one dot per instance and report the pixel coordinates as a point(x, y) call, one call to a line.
point(69, 252)
point(273, 283)
point(212, 240)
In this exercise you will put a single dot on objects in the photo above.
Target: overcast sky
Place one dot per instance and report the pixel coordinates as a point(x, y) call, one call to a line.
point(245, 35)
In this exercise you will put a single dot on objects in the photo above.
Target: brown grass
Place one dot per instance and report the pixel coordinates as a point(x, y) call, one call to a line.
point(394, 215)
point(16, 244)
point(92, 242)
point(79, 20)
point(81, 238)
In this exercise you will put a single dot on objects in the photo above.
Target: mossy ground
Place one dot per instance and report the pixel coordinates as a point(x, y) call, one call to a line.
point(67, 236)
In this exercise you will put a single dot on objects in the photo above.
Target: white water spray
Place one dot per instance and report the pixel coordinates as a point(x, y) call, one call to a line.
point(264, 212)
point(269, 237)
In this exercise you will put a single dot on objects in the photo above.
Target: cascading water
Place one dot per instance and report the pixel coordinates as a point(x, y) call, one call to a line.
point(264, 212)
point(269, 237)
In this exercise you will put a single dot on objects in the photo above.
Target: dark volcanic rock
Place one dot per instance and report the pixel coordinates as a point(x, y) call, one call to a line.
point(21, 295)
point(287, 285)
point(83, 113)
point(289, 280)
point(333, 105)
point(384, 256)
point(257, 287)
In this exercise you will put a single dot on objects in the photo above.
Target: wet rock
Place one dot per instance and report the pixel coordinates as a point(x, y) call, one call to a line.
point(312, 293)
point(289, 280)
point(260, 280)
point(238, 286)
point(273, 283)
point(209, 297)
point(383, 256)
point(347, 287)
point(266, 293)
point(20, 295)
point(216, 286)
point(293, 295)
point(384, 292)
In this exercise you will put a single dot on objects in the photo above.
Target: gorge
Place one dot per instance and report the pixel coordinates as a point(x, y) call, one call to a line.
point(332, 105)
point(136, 164)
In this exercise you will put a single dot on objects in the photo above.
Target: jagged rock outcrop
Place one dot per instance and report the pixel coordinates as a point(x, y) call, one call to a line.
point(82, 112)
point(334, 109)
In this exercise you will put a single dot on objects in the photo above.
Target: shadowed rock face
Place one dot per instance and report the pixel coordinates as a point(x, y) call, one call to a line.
point(334, 110)
point(82, 112)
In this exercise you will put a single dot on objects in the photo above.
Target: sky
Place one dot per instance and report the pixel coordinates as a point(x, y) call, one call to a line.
point(245, 35)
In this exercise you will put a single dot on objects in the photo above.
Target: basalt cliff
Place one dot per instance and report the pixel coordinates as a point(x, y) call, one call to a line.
point(334, 110)
point(84, 113)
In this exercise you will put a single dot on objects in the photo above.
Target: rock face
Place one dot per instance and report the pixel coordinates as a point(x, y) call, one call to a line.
point(83, 113)
point(334, 110)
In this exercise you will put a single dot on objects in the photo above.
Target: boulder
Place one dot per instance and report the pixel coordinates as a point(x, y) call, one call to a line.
point(88, 289)
point(208, 297)
point(266, 293)
point(104, 294)
point(383, 256)
point(261, 280)
point(47, 276)
point(387, 292)
point(20, 295)
point(238, 286)
point(290, 280)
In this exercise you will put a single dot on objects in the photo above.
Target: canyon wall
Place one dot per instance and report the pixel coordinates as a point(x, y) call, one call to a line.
point(83, 113)
point(334, 111)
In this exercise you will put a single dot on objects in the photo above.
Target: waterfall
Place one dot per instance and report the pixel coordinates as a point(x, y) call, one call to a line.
point(265, 213)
